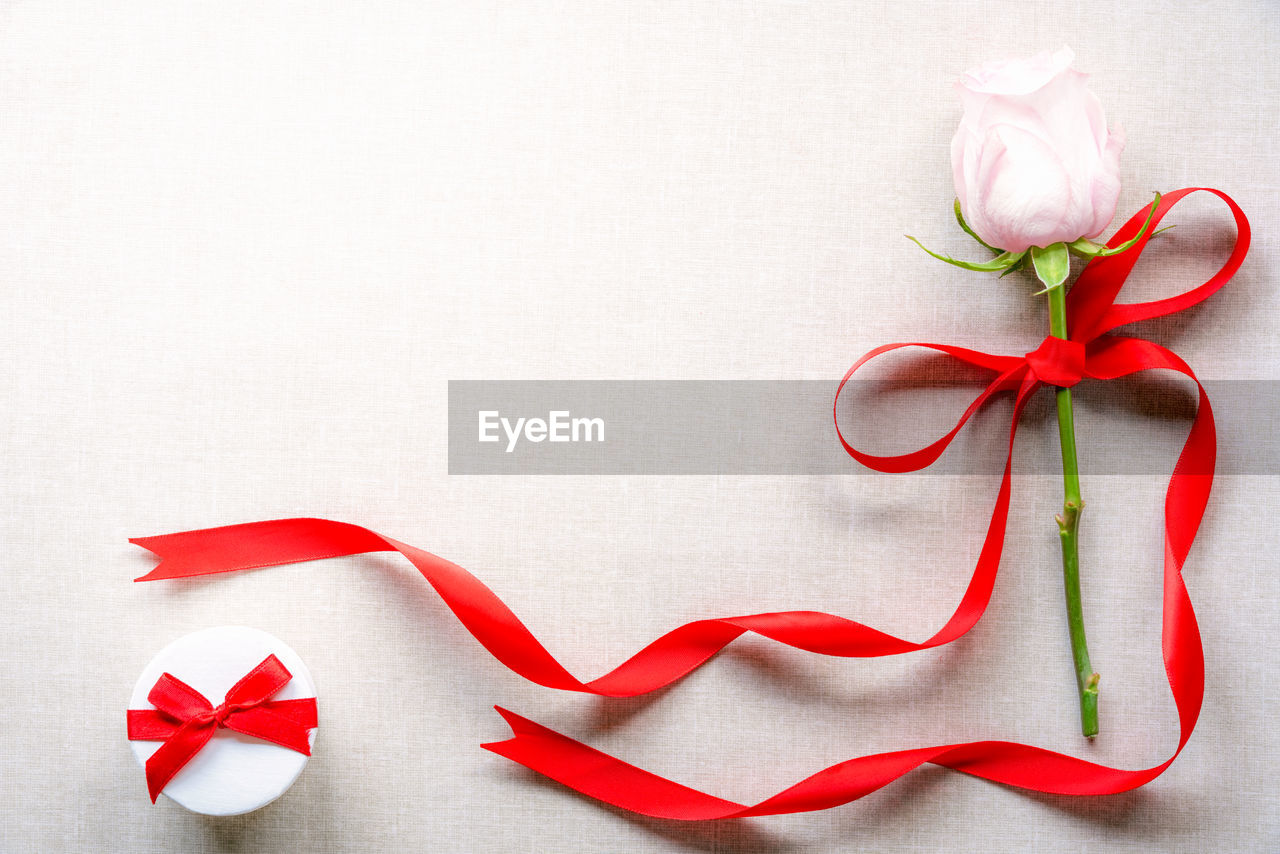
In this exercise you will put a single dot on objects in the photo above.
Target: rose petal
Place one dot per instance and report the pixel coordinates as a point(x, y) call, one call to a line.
point(1032, 160)
point(1105, 192)
point(1022, 191)
point(1018, 76)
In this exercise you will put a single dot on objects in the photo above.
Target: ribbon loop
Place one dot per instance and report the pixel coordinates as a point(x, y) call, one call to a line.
point(177, 699)
point(1010, 368)
point(185, 720)
point(1092, 309)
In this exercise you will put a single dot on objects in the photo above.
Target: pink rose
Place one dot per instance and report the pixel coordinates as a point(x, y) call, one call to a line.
point(1033, 160)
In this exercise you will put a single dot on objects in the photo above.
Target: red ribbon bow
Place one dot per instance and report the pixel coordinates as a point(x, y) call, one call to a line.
point(1090, 352)
point(185, 720)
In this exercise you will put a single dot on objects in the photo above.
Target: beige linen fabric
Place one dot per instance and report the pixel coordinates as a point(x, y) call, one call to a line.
point(244, 246)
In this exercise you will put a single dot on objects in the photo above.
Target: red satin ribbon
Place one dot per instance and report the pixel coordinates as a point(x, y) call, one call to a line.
point(1092, 312)
point(185, 720)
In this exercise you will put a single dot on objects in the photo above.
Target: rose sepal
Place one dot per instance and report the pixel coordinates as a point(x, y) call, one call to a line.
point(1022, 262)
point(969, 231)
point(1052, 264)
point(1088, 249)
point(1001, 262)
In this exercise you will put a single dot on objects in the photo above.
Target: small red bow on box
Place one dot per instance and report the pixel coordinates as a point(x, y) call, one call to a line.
point(185, 721)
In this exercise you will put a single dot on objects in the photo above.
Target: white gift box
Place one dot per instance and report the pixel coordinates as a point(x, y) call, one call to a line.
point(233, 773)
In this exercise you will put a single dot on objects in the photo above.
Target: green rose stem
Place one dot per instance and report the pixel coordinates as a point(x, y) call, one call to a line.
point(1052, 264)
point(1068, 531)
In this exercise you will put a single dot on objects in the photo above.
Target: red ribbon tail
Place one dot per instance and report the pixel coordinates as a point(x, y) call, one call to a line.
point(605, 778)
point(267, 724)
point(175, 753)
point(301, 713)
point(255, 544)
point(600, 776)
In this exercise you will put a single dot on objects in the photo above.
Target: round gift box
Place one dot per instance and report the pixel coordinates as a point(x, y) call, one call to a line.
point(233, 773)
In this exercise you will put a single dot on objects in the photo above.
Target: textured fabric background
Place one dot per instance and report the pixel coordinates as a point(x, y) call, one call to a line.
point(244, 246)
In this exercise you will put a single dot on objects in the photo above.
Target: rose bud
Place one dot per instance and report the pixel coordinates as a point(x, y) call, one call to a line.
point(1033, 161)
point(1036, 170)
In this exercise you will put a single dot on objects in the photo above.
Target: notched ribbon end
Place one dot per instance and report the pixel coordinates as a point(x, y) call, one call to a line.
point(143, 542)
point(519, 726)
point(168, 567)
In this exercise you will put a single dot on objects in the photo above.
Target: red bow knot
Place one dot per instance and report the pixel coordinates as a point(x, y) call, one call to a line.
point(1057, 362)
point(185, 720)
